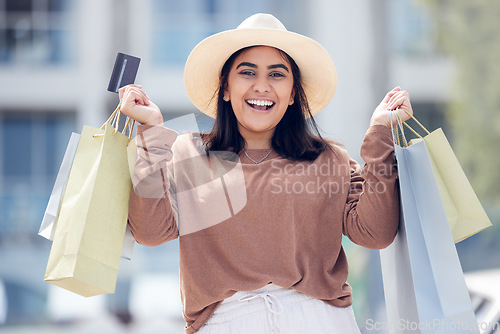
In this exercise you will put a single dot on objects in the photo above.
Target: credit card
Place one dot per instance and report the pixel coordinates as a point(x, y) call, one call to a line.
point(124, 71)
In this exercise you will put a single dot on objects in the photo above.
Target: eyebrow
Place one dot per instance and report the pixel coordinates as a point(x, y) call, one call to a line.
point(270, 67)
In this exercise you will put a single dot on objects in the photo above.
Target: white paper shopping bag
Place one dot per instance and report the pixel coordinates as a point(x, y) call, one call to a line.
point(49, 221)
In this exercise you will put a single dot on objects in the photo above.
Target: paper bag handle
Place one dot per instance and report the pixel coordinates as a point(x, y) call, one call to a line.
point(416, 120)
point(400, 126)
point(395, 131)
point(114, 121)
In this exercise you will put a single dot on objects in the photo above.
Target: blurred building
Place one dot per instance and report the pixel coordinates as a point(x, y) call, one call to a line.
point(56, 58)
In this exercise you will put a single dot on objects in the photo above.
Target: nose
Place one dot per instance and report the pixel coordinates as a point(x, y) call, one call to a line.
point(261, 84)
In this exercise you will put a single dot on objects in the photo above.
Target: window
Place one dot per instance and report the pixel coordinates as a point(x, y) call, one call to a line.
point(32, 145)
point(411, 29)
point(177, 26)
point(35, 31)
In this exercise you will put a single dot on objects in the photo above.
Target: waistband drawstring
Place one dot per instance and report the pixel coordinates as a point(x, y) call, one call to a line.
point(272, 305)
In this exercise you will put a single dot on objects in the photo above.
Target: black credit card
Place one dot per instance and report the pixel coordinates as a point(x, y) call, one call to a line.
point(124, 71)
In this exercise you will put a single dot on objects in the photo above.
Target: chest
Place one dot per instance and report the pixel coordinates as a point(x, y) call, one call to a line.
point(212, 191)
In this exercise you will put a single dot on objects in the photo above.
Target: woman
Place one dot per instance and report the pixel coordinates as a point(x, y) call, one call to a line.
point(261, 202)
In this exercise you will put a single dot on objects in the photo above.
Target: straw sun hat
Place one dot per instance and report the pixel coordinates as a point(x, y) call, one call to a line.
point(204, 64)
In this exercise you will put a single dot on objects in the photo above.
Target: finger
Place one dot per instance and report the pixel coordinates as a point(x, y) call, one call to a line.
point(396, 103)
point(145, 98)
point(138, 90)
point(136, 95)
point(132, 85)
point(137, 98)
point(122, 89)
point(399, 93)
point(393, 98)
point(404, 110)
point(398, 96)
point(131, 100)
point(391, 93)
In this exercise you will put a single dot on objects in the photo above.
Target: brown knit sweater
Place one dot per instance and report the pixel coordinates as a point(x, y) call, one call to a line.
point(243, 225)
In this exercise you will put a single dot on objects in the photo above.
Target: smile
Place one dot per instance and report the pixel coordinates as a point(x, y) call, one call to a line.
point(262, 105)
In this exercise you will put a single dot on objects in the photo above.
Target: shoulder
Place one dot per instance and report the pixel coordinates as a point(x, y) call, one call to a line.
point(189, 139)
point(335, 151)
point(188, 145)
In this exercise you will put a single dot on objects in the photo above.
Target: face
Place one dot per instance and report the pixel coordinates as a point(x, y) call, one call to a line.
point(260, 89)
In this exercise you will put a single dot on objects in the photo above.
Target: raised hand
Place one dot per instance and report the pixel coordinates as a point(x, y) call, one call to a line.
point(396, 99)
point(137, 105)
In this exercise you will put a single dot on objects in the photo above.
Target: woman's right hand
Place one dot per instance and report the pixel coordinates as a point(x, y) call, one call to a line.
point(136, 104)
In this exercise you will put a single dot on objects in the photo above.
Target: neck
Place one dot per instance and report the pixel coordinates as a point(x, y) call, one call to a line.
point(257, 144)
point(253, 140)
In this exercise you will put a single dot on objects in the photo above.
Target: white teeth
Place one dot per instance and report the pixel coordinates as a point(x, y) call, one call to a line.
point(261, 102)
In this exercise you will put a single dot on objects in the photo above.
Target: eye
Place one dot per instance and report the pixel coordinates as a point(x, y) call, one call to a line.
point(247, 72)
point(276, 74)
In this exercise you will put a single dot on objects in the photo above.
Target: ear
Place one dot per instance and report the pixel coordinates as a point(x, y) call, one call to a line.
point(292, 98)
point(226, 94)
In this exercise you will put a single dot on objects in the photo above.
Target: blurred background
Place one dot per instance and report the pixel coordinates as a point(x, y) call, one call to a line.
point(56, 58)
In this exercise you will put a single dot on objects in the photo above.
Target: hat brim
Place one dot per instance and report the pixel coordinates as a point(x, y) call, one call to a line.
point(204, 65)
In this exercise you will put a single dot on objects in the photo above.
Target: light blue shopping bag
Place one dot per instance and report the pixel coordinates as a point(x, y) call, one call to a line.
point(424, 285)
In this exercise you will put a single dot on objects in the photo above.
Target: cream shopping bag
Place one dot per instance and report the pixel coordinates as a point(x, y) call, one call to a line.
point(51, 215)
point(88, 241)
point(465, 213)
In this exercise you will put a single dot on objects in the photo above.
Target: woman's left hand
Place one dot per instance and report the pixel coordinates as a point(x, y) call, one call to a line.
point(395, 99)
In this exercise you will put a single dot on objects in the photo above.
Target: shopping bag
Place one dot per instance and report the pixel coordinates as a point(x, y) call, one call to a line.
point(49, 221)
point(424, 286)
point(465, 213)
point(90, 232)
point(51, 215)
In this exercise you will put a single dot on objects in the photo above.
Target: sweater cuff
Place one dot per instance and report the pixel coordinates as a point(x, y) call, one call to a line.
point(154, 142)
point(377, 145)
point(381, 129)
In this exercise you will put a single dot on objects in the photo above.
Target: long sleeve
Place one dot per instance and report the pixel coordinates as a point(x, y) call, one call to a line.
point(371, 214)
point(152, 207)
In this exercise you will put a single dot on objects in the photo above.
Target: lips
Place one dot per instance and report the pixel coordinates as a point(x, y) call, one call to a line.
point(262, 105)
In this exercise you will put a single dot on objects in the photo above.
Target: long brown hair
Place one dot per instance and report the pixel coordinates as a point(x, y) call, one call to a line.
point(296, 136)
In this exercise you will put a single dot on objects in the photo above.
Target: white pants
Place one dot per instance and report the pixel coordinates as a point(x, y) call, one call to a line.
point(273, 309)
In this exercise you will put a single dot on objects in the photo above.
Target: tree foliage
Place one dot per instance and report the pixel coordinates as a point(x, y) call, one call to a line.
point(468, 32)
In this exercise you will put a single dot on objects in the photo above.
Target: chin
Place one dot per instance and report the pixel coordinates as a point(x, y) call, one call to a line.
point(259, 128)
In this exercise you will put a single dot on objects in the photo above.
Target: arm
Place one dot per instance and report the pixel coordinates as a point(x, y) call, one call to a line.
point(152, 206)
point(371, 213)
